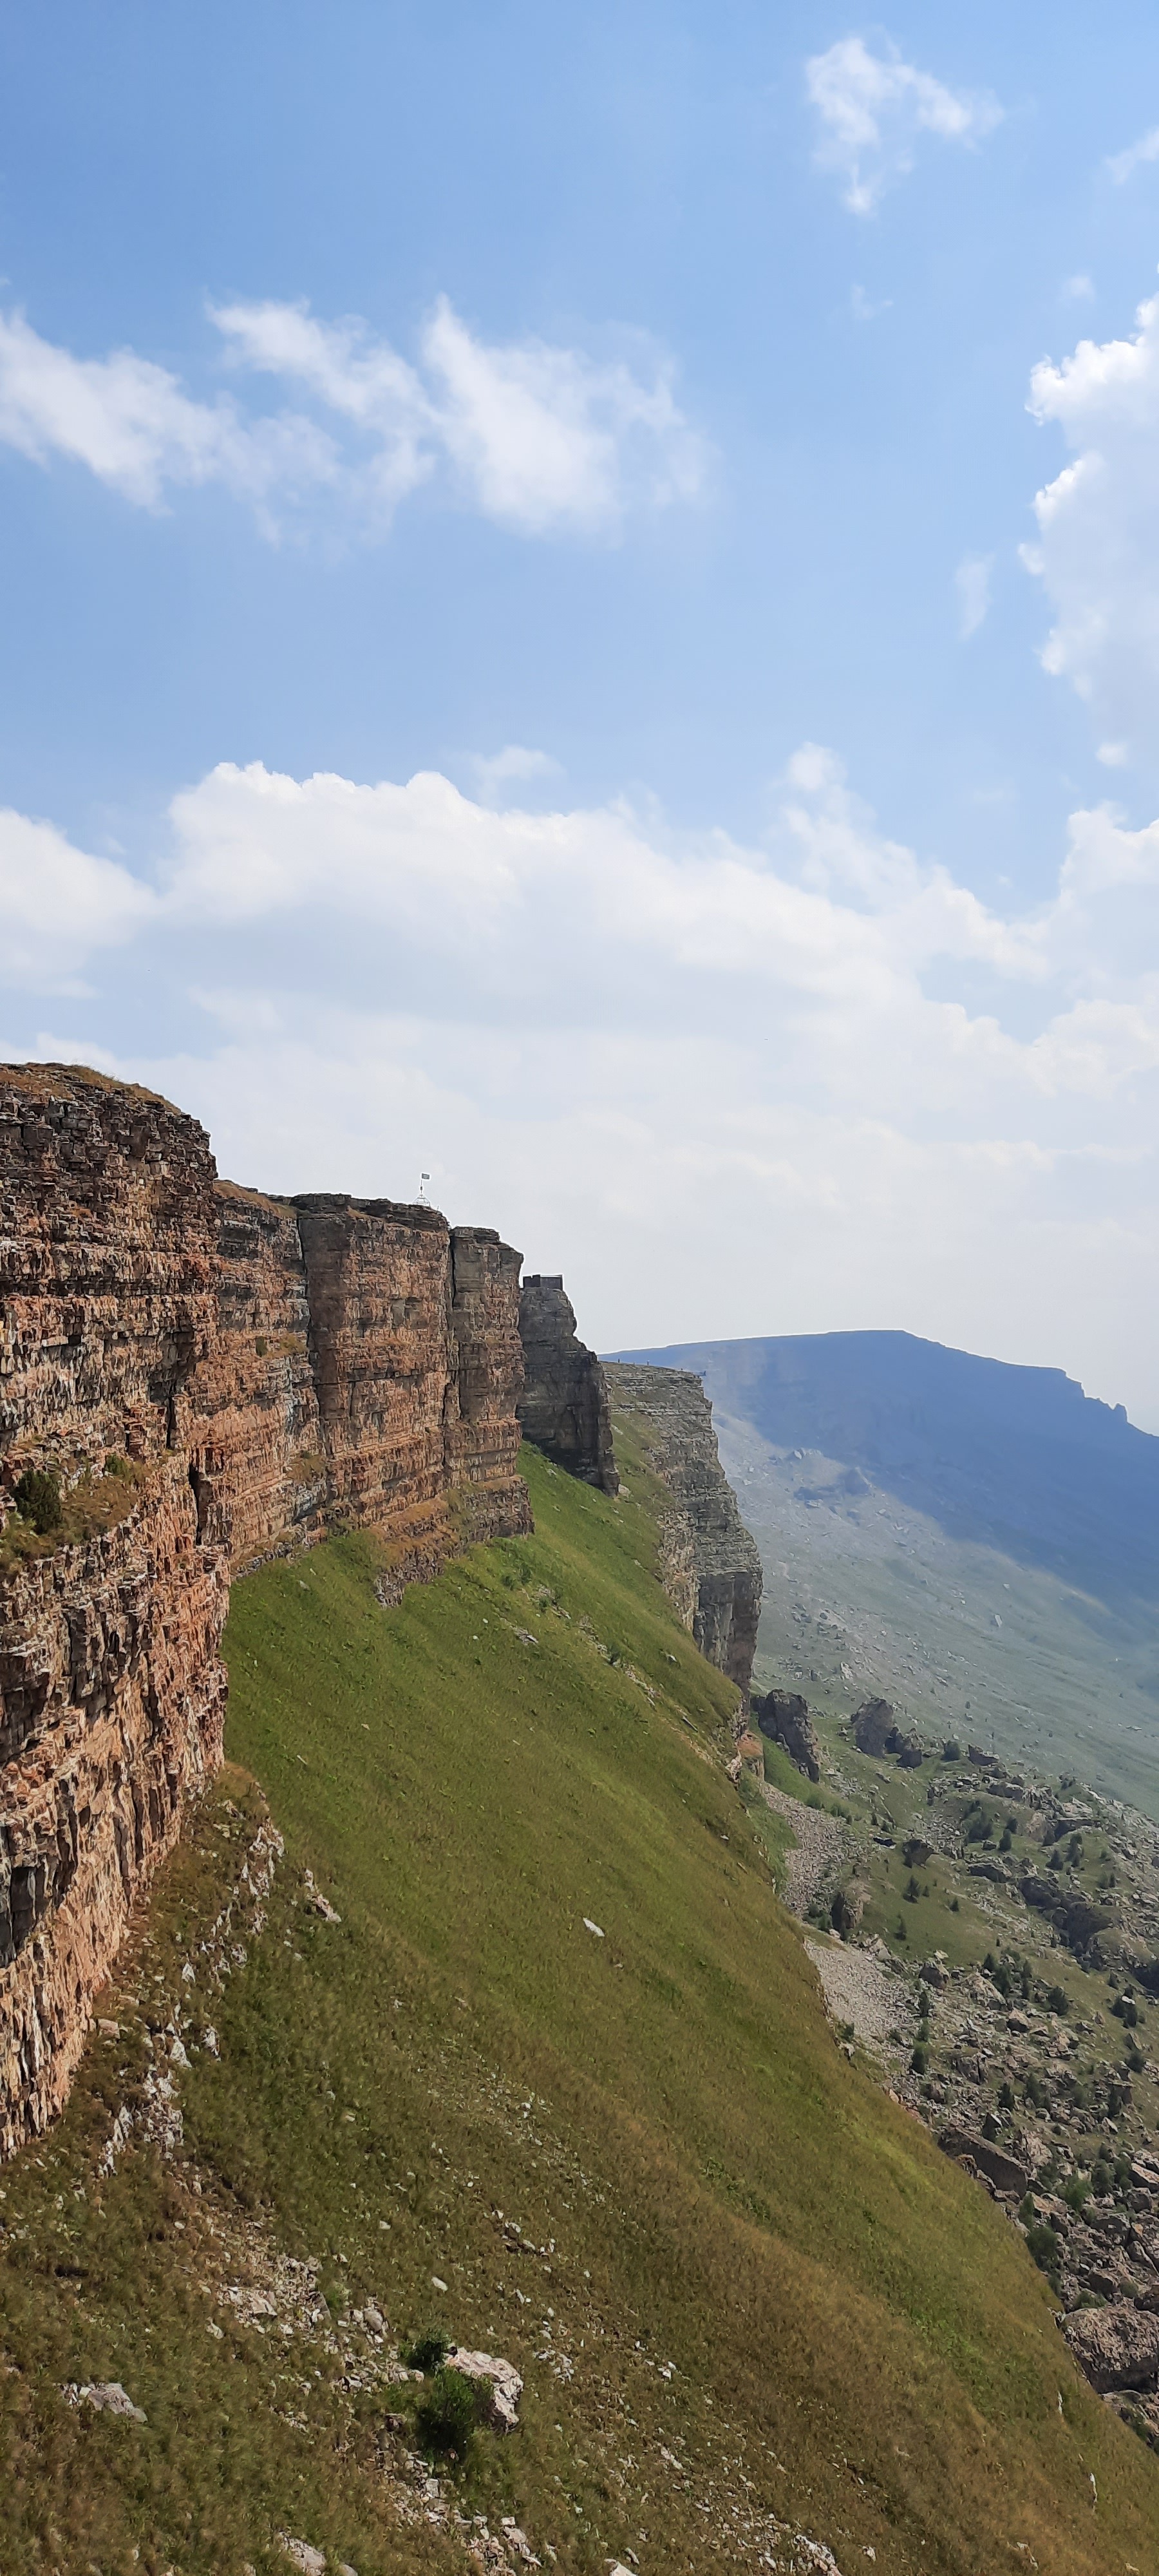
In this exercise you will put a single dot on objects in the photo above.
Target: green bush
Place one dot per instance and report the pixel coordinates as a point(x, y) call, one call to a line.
point(449, 2410)
point(1076, 2192)
point(920, 2059)
point(427, 2352)
point(1043, 2245)
point(37, 1499)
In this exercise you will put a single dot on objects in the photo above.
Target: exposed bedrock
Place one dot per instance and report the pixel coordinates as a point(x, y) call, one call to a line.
point(205, 1376)
point(709, 1563)
point(564, 1405)
point(784, 1717)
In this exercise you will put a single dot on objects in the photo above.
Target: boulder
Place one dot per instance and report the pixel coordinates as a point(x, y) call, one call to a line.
point(1118, 2347)
point(910, 1750)
point(874, 1726)
point(784, 1717)
point(1002, 2170)
point(501, 2377)
point(107, 2395)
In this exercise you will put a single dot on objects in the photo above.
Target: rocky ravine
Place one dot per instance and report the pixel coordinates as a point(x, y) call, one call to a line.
point(1031, 2064)
point(200, 1377)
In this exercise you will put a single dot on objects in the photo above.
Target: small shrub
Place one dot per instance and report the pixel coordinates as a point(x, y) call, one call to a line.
point(115, 1465)
point(449, 2410)
point(912, 1890)
point(1076, 2192)
point(427, 2352)
point(1058, 1999)
point(37, 1499)
point(1042, 2243)
point(920, 2059)
point(261, 1345)
point(1006, 2097)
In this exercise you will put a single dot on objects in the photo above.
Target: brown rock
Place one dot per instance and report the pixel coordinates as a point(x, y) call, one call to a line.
point(271, 1370)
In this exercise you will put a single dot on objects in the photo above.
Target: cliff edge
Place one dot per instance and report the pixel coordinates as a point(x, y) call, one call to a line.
point(192, 1377)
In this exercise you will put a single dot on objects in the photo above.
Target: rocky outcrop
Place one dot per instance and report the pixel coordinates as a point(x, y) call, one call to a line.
point(784, 1717)
point(204, 1376)
point(1117, 2346)
point(874, 1726)
point(709, 1564)
point(1002, 2170)
point(564, 1405)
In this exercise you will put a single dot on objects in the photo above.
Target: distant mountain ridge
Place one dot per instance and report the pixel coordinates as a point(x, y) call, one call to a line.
point(1016, 1458)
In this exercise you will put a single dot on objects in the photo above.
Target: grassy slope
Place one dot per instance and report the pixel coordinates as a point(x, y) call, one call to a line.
point(852, 2326)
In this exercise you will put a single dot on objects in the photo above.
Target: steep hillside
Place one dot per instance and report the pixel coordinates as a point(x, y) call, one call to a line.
point(917, 1511)
point(518, 2046)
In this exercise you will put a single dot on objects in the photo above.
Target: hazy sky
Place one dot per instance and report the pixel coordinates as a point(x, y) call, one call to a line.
point(581, 614)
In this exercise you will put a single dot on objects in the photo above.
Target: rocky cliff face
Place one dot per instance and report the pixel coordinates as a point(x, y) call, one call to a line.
point(710, 1565)
point(564, 1406)
point(206, 1377)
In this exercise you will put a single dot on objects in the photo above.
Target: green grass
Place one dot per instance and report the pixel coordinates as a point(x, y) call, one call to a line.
point(706, 2186)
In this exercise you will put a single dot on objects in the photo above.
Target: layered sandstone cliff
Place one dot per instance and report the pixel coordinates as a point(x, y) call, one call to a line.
point(709, 1563)
point(205, 1376)
point(564, 1405)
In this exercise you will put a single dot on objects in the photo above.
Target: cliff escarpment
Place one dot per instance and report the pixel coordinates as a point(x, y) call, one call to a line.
point(192, 1377)
point(709, 1564)
point(564, 1406)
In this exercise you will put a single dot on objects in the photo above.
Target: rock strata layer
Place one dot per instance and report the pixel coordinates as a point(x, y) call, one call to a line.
point(207, 1377)
point(709, 1563)
point(564, 1406)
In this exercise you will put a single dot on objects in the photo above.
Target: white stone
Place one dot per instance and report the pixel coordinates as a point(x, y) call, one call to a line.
point(501, 2376)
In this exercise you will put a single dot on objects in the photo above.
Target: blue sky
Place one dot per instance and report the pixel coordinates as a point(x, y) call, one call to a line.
point(529, 651)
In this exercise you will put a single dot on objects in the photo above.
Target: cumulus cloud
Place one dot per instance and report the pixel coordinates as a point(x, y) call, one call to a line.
point(1097, 552)
point(892, 1102)
point(539, 438)
point(871, 109)
point(972, 584)
point(59, 906)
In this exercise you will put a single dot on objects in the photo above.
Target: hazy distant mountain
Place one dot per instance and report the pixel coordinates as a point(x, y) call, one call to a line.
point(1017, 1459)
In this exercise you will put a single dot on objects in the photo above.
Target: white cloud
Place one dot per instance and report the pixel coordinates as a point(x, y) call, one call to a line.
point(539, 438)
point(1122, 165)
point(133, 426)
point(972, 584)
point(1097, 553)
point(58, 905)
point(1114, 755)
point(514, 765)
point(889, 1100)
point(872, 107)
